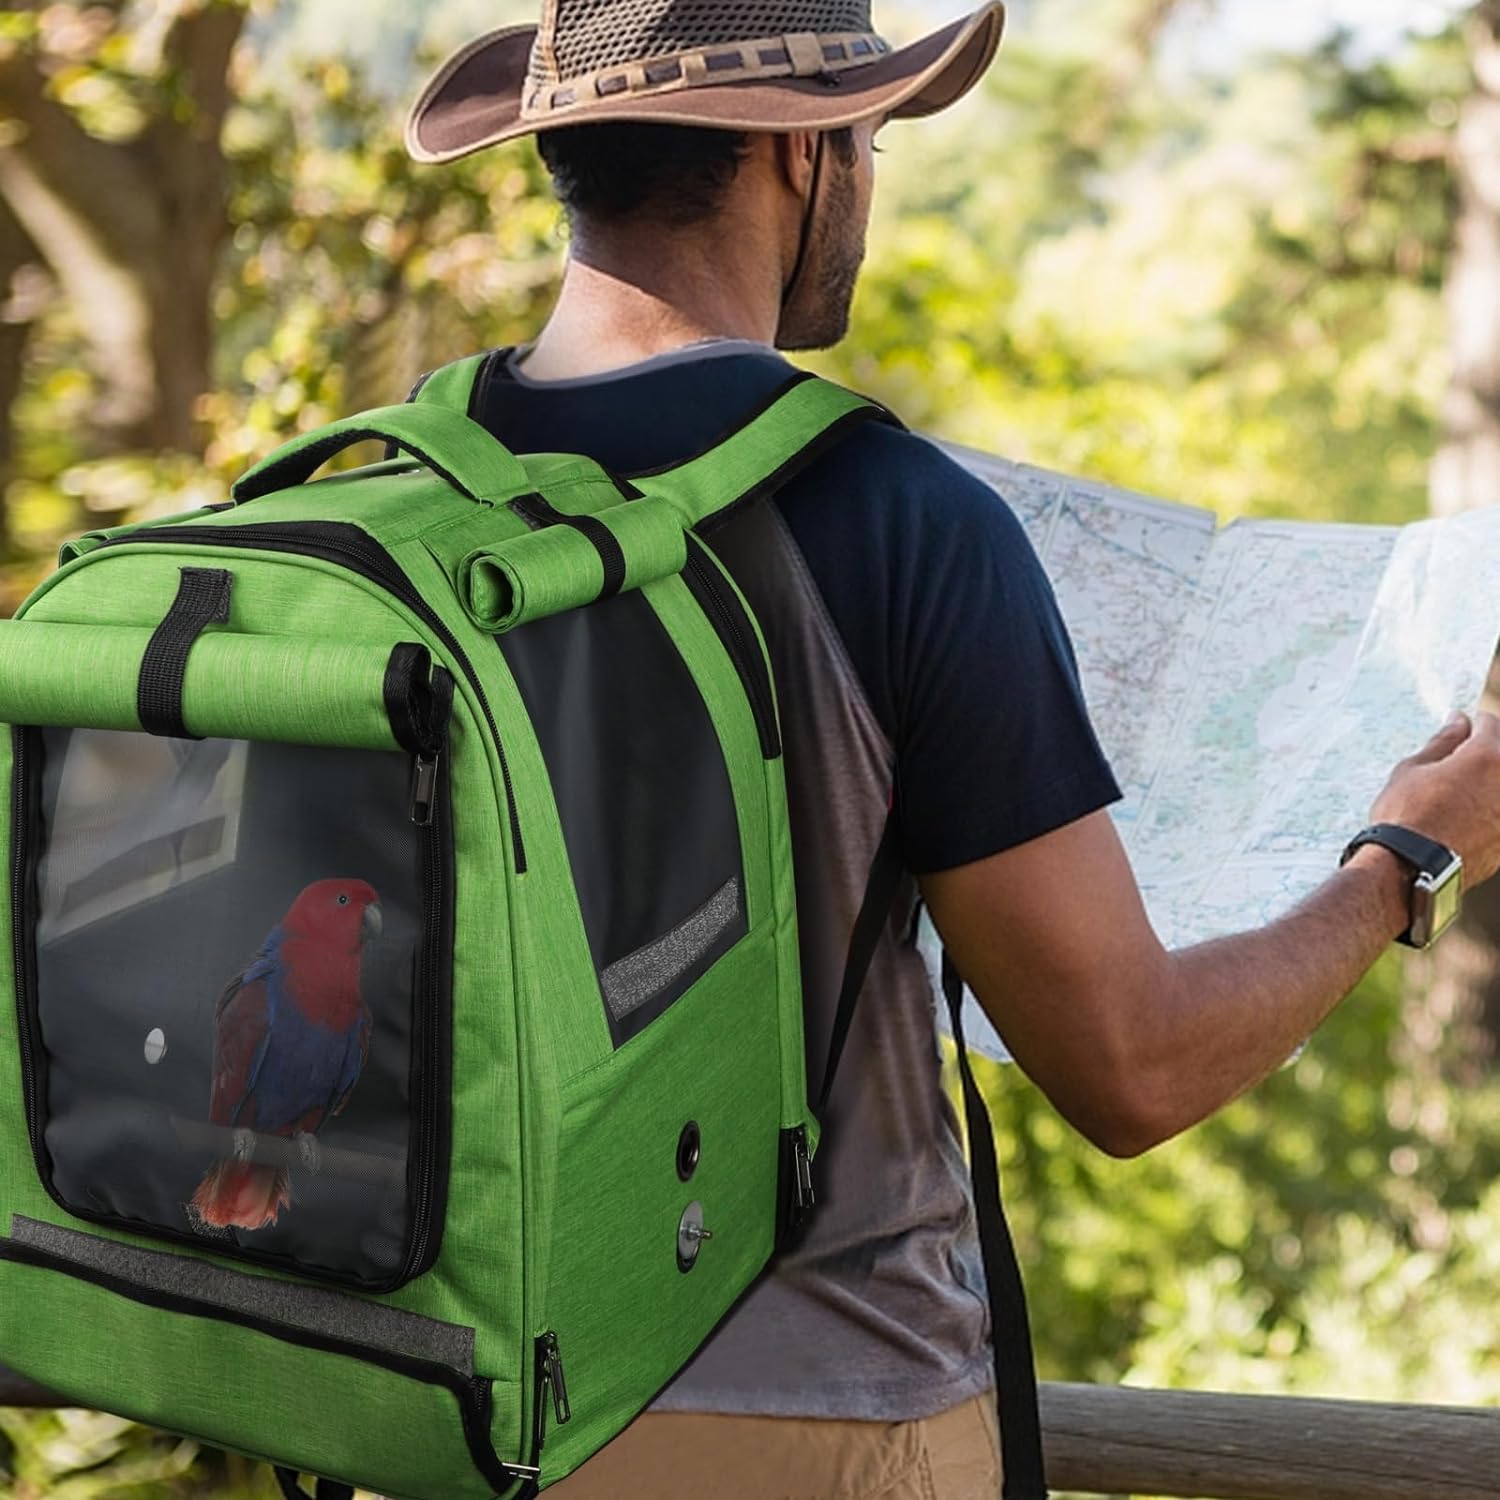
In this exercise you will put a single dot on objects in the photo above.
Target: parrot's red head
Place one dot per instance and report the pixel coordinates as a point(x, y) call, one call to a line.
point(337, 914)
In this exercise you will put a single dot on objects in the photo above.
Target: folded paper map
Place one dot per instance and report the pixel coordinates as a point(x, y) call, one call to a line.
point(1253, 685)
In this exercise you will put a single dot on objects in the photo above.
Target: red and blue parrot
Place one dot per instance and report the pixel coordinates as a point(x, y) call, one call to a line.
point(291, 1035)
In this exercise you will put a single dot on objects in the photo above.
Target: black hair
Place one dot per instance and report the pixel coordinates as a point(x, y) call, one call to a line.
point(610, 174)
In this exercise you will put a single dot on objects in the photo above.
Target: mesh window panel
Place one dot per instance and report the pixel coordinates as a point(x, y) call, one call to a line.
point(594, 34)
point(644, 797)
point(227, 996)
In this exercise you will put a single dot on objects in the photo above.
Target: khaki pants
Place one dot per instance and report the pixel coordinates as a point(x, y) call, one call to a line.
point(683, 1456)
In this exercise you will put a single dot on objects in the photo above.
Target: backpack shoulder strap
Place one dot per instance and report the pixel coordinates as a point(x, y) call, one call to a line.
point(802, 419)
point(454, 385)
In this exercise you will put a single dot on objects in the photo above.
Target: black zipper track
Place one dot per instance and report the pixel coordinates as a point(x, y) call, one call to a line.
point(727, 615)
point(474, 1394)
point(347, 546)
point(431, 1071)
point(23, 845)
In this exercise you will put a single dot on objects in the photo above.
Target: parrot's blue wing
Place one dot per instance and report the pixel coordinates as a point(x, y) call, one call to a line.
point(354, 1062)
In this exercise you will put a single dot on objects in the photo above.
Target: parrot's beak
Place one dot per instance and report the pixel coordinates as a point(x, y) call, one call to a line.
point(372, 924)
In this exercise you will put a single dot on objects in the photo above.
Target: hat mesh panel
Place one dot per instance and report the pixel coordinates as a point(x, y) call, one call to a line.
point(595, 34)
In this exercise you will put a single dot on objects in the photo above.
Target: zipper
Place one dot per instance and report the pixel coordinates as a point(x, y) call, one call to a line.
point(794, 1189)
point(474, 1394)
point(424, 730)
point(547, 1378)
point(552, 1377)
point(433, 1084)
point(424, 773)
point(23, 844)
point(349, 547)
point(726, 613)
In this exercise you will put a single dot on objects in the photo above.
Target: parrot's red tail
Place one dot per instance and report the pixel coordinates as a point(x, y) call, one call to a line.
point(241, 1195)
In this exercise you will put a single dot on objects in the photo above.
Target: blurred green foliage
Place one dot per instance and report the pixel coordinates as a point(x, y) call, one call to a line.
point(1223, 289)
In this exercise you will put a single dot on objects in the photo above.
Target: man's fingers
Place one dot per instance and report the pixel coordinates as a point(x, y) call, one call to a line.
point(1448, 739)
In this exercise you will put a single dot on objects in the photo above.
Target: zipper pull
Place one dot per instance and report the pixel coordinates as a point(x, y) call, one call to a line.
point(803, 1163)
point(552, 1374)
point(424, 787)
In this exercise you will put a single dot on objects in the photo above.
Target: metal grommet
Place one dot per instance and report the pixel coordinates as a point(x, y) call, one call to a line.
point(689, 1147)
point(690, 1236)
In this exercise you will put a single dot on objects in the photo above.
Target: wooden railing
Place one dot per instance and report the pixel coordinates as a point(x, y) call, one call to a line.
point(1111, 1440)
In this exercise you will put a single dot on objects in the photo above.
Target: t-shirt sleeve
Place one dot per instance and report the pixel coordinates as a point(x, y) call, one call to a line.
point(964, 656)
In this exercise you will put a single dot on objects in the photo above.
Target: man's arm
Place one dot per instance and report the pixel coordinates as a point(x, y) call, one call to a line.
point(1134, 1044)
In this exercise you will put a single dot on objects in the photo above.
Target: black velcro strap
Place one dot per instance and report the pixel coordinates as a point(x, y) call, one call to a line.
point(1010, 1328)
point(537, 513)
point(417, 699)
point(326, 1489)
point(202, 600)
point(881, 889)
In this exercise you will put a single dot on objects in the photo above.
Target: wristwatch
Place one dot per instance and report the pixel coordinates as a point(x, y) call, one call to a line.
point(1437, 892)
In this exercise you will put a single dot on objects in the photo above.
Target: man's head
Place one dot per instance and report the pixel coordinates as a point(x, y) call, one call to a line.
point(811, 190)
point(756, 71)
point(784, 97)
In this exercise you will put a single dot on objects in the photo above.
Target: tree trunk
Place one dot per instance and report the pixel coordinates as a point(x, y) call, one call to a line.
point(1464, 971)
point(16, 253)
point(132, 229)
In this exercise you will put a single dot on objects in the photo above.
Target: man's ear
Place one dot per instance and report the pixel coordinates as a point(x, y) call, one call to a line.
point(796, 151)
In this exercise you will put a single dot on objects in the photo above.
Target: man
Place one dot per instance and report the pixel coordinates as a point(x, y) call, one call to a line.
point(715, 161)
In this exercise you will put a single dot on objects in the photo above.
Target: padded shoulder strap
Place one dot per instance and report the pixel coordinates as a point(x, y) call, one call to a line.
point(802, 420)
point(453, 385)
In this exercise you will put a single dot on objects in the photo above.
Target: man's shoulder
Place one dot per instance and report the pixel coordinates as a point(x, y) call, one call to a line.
point(903, 490)
point(891, 451)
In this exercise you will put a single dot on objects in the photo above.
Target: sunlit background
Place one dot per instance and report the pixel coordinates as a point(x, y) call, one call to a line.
point(1206, 250)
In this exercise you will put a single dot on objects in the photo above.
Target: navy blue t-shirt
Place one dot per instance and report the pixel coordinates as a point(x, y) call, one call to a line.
point(930, 582)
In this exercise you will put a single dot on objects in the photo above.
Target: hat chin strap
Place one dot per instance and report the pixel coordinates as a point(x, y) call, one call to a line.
point(804, 243)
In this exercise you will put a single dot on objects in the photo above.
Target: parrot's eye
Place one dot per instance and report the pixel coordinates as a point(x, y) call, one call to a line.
point(343, 899)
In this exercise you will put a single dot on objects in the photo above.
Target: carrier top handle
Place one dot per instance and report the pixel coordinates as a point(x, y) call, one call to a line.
point(455, 448)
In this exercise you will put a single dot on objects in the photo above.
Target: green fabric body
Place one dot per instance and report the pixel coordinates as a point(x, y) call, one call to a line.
point(563, 1199)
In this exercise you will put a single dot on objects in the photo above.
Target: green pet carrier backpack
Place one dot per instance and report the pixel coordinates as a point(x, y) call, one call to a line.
point(406, 1067)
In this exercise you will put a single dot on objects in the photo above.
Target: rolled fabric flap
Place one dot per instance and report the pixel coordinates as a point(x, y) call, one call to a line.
point(570, 561)
point(240, 687)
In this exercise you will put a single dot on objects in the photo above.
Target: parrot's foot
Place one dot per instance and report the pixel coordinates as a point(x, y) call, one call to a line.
point(312, 1157)
point(244, 1144)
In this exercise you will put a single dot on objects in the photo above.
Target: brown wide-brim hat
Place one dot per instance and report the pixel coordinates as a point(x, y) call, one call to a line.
point(756, 65)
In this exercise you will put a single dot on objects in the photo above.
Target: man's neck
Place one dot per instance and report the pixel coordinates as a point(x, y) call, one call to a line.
point(628, 298)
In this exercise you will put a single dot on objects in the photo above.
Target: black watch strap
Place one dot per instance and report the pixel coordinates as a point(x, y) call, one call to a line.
point(1437, 881)
point(1426, 856)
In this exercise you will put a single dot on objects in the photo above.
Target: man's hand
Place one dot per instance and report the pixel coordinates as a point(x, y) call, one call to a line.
point(1134, 1044)
point(1450, 791)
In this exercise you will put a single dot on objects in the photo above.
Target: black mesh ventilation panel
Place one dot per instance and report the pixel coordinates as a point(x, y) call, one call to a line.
point(595, 34)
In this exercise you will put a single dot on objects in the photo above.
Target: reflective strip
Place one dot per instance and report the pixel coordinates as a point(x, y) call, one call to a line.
point(310, 1308)
point(630, 982)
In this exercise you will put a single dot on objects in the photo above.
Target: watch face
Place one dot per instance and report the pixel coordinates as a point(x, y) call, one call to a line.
point(1435, 903)
point(1446, 900)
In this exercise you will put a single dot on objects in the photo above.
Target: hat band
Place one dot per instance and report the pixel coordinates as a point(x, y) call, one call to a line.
point(803, 54)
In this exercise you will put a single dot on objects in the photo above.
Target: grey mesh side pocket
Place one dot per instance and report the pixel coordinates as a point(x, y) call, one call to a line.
point(636, 986)
point(228, 956)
